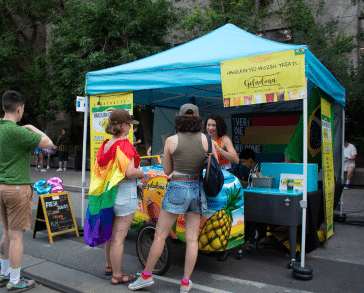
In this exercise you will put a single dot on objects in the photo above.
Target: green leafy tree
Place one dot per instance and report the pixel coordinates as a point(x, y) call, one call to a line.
point(94, 35)
point(22, 41)
point(246, 14)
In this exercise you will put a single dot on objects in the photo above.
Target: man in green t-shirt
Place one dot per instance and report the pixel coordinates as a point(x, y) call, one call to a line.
point(16, 193)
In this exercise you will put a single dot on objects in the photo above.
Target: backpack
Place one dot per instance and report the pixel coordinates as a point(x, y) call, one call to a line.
point(213, 180)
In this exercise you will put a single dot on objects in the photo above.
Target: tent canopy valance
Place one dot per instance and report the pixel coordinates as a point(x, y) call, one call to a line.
point(192, 70)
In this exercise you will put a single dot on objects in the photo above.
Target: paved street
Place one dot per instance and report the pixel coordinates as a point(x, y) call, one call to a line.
point(71, 266)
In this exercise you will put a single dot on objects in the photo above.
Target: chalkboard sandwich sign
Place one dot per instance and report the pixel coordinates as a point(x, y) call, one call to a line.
point(55, 213)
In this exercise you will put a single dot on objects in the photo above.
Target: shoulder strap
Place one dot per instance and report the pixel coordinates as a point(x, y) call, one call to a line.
point(209, 143)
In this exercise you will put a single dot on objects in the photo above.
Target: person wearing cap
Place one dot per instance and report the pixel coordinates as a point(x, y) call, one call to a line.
point(215, 126)
point(184, 154)
point(113, 194)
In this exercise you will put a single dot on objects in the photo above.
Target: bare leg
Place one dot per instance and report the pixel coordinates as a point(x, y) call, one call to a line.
point(192, 227)
point(350, 173)
point(107, 253)
point(60, 164)
point(64, 164)
point(48, 159)
point(164, 225)
point(37, 161)
point(16, 248)
point(41, 160)
point(119, 231)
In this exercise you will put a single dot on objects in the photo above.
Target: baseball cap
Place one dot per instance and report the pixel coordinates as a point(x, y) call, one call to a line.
point(189, 110)
point(120, 116)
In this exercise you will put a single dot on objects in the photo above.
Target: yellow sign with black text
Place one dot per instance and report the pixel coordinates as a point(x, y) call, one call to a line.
point(266, 78)
point(328, 165)
point(101, 107)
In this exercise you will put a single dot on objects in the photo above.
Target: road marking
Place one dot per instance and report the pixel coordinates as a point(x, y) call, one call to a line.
point(230, 279)
point(337, 259)
point(196, 286)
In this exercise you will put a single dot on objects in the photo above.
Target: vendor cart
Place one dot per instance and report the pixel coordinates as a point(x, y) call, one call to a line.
point(221, 226)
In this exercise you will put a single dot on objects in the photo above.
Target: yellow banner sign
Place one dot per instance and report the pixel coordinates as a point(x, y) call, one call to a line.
point(328, 165)
point(101, 107)
point(264, 78)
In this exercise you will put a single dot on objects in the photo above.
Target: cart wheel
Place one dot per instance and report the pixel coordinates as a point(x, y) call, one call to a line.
point(144, 243)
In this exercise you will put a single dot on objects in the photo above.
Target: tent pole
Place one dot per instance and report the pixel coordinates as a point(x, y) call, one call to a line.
point(84, 161)
point(303, 272)
point(304, 199)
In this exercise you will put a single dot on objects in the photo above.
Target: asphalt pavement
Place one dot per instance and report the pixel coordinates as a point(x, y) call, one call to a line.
point(69, 265)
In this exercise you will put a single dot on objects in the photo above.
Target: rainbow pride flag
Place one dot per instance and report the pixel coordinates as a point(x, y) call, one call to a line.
point(109, 170)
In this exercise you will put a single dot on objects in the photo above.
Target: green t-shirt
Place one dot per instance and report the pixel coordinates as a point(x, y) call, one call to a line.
point(16, 144)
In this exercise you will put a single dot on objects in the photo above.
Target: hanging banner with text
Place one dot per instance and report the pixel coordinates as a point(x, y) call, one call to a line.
point(328, 165)
point(101, 107)
point(264, 78)
point(267, 134)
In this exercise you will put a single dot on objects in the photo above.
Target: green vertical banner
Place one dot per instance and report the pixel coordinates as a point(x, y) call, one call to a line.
point(327, 119)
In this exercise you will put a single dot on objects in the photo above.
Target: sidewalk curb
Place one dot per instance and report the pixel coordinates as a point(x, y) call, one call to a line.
point(49, 283)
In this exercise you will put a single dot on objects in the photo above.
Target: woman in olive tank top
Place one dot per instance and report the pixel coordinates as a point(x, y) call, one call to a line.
point(184, 154)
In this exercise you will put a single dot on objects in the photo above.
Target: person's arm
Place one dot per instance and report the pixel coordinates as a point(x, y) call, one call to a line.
point(132, 172)
point(230, 152)
point(353, 157)
point(149, 151)
point(45, 141)
point(167, 157)
point(137, 142)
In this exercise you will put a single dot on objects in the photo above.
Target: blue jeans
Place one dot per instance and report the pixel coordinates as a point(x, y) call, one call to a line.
point(183, 196)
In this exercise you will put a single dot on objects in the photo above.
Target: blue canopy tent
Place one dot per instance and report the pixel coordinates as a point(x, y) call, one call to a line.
point(172, 77)
point(191, 73)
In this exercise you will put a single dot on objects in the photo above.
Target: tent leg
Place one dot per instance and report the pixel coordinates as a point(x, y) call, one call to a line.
point(84, 162)
point(303, 272)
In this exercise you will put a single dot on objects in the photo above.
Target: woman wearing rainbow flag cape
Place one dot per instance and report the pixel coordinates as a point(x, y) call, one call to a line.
point(113, 194)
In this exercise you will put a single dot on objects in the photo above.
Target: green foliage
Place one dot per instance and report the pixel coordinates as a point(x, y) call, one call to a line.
point(94, 35)
point(246, 14)
point(326, 41)
point(355, 109)
point(21, 27)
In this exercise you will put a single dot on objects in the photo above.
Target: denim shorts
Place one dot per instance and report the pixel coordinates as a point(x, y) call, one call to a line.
point(126, 201)
point(62, 156)
point(183, 196)
point(127, 209)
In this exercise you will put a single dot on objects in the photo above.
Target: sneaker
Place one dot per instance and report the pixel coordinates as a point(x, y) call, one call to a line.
point(48, 167)
point(60, 169)
point(185, 289)
point(64, 169)
point(22, 285)
point(4, 280)
point(43, 170)
point(141, 283)
point(346, 186)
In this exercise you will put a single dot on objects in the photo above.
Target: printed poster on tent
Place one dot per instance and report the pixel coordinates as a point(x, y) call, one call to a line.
point(327, 166)
point(266, 78)
point(101, 107)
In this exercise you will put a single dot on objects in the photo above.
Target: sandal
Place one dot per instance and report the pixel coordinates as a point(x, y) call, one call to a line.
point(108, 271)
point(122, 279)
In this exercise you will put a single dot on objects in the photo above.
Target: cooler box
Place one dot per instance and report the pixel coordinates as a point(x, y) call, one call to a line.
point(276, 169)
